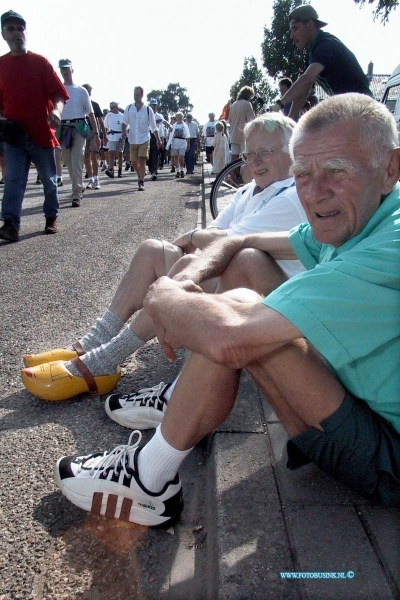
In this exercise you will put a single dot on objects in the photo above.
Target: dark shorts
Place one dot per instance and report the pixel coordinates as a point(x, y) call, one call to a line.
point(358, 447)
point(1, 148)
point(209, 150)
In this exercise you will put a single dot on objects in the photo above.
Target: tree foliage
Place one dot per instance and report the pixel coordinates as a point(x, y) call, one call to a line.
point(253, 77)
point(281, 57)
point(172, 100)
point(382, 9)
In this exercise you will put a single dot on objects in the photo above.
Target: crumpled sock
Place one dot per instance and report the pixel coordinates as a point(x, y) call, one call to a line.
point(102, 332)
point(105, 359)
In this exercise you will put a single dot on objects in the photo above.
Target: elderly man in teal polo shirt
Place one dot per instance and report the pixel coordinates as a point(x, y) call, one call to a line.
point(323, 347)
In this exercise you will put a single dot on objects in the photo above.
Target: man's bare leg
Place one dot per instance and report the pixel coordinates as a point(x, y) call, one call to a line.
point(299, 385)
point(254, 270)
point(295, 379)
point(147, 266)
point(250, 268)
point(140, 167)
point(199, 403)
point(95, 164)
point(88, 165)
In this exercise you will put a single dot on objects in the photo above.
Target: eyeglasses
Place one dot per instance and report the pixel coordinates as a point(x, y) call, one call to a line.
point(265, 155)
point(12, 28)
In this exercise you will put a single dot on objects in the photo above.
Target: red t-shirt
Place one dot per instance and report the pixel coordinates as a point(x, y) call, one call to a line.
point(28, 86)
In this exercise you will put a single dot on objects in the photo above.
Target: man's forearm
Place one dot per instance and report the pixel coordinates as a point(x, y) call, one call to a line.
point(275, 243)
point(213, 261)
point(299, 89)
point(101, 123)
point(93, 123)
point(202, 238)
point(225, 331)
point(58, 104)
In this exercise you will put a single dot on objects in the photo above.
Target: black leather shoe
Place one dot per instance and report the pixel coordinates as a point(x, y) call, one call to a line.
point(8, 232)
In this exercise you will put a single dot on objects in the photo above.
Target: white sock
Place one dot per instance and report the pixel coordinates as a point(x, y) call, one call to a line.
point(169, 391)
point(158, 462)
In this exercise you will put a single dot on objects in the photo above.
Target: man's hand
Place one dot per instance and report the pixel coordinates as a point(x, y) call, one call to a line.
point(166, 293)
point(185, 243)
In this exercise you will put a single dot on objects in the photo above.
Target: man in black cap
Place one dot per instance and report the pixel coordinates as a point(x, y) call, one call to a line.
point(329, 62)
point(31, 100)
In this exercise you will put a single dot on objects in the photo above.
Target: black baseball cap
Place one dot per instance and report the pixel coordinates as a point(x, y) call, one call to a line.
point(11, 14)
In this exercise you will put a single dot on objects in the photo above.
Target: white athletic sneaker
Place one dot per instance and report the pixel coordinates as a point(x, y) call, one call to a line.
point(139, 410)
point(108, 484)
point(96, 183)
point(90, 185)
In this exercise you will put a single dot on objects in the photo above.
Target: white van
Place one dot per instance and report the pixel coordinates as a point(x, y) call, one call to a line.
point(391, 95)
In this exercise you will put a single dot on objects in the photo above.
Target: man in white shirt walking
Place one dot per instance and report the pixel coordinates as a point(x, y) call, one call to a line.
point(74, 129)
point(140, 119)
point(113, 124)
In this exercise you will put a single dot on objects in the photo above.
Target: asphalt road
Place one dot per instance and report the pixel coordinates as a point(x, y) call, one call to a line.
point(53, 287)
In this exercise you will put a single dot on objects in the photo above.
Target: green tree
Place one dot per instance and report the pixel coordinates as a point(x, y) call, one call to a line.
point(383, 8)
point(172, 100)
point(253, 77)
point(281, 57)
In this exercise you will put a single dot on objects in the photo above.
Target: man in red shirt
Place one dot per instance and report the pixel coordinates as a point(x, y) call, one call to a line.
point(31, 96)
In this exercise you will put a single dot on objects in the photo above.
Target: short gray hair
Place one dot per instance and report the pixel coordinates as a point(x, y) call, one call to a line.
point(378, 132)
point(272, 122)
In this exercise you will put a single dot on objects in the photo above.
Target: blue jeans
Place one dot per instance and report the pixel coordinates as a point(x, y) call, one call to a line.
point(17, 159)
point(190, 157)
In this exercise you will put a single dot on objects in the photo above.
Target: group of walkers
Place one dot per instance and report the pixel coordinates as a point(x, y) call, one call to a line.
point(47, 122)
point(285, 283)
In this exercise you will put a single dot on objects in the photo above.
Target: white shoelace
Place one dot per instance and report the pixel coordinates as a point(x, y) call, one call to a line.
point(149, 394)
point(116, 457)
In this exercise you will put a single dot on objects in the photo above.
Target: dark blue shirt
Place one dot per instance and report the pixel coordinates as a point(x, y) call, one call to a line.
point(342, 72)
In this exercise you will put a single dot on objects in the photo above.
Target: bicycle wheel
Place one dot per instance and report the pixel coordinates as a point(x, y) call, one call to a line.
point(225, 185)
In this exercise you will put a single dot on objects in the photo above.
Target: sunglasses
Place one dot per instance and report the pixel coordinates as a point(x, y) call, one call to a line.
point(12, 28)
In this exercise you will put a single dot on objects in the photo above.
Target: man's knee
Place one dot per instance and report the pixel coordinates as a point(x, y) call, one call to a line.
point(249, 258)
point(243, 295)
point(254, 269)
point(181, 263)
point(149, 250)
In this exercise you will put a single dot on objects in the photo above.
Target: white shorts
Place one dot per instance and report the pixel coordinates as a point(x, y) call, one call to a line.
point(116, 146)
point(178, 151)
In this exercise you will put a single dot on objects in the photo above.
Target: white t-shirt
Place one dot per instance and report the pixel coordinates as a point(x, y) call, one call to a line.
point(78, 105)
point(269, 210)
point(113, 122)
point(139, 122)
point(178, 136)
point(209, 132)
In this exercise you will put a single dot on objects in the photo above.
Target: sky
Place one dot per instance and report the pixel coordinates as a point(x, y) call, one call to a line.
point(199, 43)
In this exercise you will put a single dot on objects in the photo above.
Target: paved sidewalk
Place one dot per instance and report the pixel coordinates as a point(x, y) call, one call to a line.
point(265, 521)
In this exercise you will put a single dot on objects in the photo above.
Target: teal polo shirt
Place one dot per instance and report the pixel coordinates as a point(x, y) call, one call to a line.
point(347, 304)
